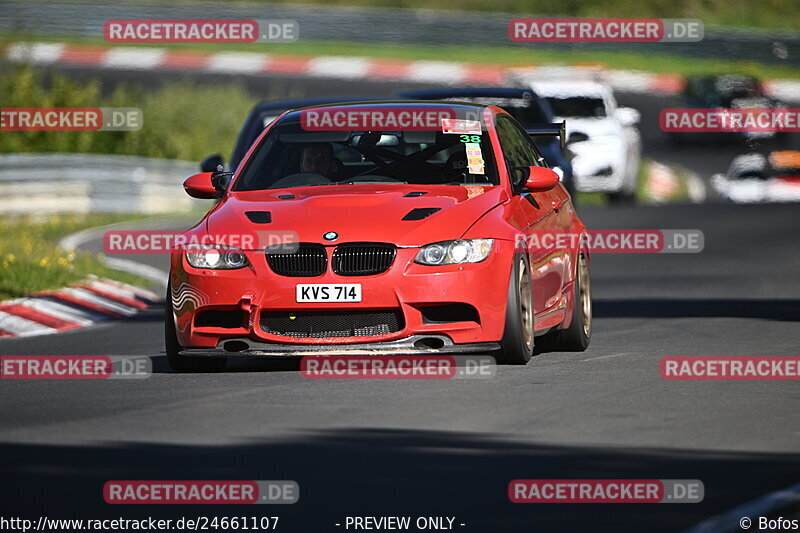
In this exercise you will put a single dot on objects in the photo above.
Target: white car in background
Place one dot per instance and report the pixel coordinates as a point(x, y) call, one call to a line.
point(602, 136)
point(756, 178)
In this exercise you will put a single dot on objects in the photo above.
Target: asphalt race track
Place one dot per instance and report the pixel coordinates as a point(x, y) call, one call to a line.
point(451, 447)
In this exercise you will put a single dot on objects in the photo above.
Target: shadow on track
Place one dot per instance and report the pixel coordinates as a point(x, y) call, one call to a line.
point(784, 310)
point(241, 364)
point(388, 472)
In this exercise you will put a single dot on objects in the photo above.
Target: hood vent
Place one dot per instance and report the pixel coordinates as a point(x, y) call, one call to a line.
point(259, 217)
point(414, 194)
point(421, 212)
point(286, 197)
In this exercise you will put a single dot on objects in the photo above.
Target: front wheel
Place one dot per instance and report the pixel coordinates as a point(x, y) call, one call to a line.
point(517, 344)
point(622, 198)
point(173, 348)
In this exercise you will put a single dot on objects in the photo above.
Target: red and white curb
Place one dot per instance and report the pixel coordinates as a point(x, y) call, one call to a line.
point(79, 305)
point(351, 68)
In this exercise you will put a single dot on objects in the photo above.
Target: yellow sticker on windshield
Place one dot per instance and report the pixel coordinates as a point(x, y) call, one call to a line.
point(474, 158)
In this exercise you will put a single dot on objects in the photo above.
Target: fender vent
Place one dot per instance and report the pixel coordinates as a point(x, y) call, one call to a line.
point(414, 194)
point(421, 212)
point(259, 217)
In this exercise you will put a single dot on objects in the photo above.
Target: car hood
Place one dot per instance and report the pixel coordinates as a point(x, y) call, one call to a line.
point(357, 213)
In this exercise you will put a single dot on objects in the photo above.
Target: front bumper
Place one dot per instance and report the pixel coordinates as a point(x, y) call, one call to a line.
point(600, 165)
point(407, 289)
point(414, 345)
point(598, 175)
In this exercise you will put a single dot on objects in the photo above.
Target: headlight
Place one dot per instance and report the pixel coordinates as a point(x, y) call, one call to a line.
point(455, 252)
point(216, 257)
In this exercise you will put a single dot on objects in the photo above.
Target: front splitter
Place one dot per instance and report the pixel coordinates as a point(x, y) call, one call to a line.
point(414, 345)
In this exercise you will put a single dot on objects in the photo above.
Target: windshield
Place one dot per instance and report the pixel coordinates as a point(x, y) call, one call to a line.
point(749, 175)
point(578, 106)
point(290, 156)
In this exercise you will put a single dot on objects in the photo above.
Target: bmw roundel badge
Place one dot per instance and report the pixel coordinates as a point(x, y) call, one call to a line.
point(331, 236)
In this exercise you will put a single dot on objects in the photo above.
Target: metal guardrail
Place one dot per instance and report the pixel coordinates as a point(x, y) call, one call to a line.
point(85, 183)
point(387, 25)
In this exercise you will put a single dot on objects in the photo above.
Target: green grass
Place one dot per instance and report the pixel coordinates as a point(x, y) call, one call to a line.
point(508, 56)
point(30, 261)
point(181, 120)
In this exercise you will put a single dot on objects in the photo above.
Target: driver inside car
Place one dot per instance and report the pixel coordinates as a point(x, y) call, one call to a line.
point(318, 158)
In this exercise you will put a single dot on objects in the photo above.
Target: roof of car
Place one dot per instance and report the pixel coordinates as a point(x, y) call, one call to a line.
point(570, 88)
point(500, 92)
point(715, 77)
point(398, 103)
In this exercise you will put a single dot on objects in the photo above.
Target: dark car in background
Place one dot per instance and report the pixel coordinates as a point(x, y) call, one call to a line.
point(760, 178)
point(259, 118)
point(532, 112)
point(729, 91)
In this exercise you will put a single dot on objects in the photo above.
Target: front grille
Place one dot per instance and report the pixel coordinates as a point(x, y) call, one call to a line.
point(325, 324)
point(307, 261)
point(362, 259)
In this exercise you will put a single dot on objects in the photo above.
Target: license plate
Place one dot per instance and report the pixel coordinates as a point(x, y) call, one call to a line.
point(328, 292)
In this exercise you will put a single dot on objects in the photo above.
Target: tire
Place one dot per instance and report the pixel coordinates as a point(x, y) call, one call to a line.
point(577, 336)
point(516, 348)
point(172, 347)
point(622, 197)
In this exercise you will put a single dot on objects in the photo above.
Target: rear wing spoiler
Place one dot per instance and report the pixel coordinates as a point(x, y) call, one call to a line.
point(554, 129)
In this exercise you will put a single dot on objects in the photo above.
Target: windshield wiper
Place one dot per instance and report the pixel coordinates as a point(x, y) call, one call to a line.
point(357, 181)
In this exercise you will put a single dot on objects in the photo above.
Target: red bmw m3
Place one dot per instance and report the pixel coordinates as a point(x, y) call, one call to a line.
point(381, 228)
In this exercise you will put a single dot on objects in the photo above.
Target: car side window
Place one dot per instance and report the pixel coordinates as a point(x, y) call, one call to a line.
point(518, 149)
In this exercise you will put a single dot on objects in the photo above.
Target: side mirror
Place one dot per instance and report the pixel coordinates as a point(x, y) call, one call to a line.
point(221, 181)
point(541, 179)
point(212, 163)
point(628, 116)
point(201, 186)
